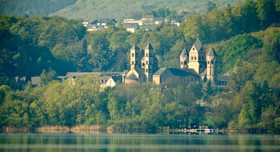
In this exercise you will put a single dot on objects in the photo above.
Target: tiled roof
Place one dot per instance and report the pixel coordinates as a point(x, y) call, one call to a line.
point(212, 52)
point(178, 72)
point(175, 72)
point(223, 78)
point(134, 47)
point(160, 71)
point(197, 44)
point(184, 53)
point(130, 25)
point(149, 47)
point(132, 77)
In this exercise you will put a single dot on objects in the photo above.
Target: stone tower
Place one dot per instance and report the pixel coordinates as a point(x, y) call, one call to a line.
point(148, 58)
point(197, 59)
point(184, 60)
point(134, 57)
point(211, 65)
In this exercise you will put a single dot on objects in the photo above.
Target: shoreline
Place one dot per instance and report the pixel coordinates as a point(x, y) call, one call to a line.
point(96, 129)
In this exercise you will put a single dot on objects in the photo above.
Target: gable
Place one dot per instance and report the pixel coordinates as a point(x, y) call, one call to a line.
point(133, 71)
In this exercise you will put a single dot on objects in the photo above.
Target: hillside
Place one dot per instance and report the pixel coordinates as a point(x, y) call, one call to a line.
point(32, 7)
point(89, 9)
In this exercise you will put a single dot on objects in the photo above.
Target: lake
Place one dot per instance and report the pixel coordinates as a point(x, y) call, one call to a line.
point(136, 142)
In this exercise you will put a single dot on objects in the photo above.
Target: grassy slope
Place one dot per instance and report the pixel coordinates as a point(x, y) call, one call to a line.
point(97, 9)
point(32, 7)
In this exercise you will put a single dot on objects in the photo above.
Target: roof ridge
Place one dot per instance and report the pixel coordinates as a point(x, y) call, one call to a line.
point(184, 52)
point(149, 47)
point(211, 52)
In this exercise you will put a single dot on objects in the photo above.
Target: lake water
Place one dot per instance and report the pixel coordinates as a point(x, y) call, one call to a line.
point(29, 142)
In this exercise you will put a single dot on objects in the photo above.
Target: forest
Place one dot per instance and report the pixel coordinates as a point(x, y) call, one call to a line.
point(100, 9)
point(245, 37)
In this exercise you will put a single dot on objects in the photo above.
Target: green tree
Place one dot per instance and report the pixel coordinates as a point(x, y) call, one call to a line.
point(266, 11)
point(210, 6)
point(47, 77)
point(276, 50)
point(209, 88)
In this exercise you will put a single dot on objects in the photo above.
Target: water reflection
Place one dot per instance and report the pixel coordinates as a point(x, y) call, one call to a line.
point(29, 142)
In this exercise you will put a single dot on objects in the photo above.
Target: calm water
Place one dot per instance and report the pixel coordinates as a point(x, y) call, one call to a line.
point(29, 142)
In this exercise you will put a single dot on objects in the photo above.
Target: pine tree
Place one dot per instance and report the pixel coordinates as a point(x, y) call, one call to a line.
point(209, 88)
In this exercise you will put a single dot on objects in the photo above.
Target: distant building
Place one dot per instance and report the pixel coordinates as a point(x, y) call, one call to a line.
point(95, 25)
point(148, 18)
point(107, 79)
point(139, 22)
point(175, 22)
point(131, 27)
point(106, 22)
point(35, 81)
point(158, 21)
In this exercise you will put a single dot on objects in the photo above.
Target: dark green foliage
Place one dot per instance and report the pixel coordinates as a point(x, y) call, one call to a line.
point(235, 49)
point(28, 44)
point(276, 50)
point(47, 77)
point(210, 6)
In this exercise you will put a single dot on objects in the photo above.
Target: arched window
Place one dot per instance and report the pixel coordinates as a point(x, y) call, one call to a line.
point(212, 62)
point(192, 58)
point(195, 58)
point(132, 54)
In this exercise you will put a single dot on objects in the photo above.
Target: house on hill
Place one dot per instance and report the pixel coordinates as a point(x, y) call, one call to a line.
point(131, 27)
point(107, 22)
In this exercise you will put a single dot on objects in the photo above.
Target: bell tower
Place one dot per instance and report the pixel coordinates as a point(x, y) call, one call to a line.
point(184, 60)
point(211, 65)
point(148, 59)
point(197, 57)
point(134, 57)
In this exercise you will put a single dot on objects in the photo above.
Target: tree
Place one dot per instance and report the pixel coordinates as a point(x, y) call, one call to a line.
point(266, 11)
point(276, 50)
point(210, 6)
point(209, 88)
point(47, 77)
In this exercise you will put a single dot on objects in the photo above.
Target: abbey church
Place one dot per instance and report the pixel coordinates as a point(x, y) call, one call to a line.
point(195, 65)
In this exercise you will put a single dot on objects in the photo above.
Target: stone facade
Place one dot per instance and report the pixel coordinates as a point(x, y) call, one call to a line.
point(195, 65)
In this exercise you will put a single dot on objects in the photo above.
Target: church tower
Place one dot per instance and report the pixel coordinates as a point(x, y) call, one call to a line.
point(134, 57)
point(211, 65)
point(197, 59)
point(184, 60)
point(148, 61)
